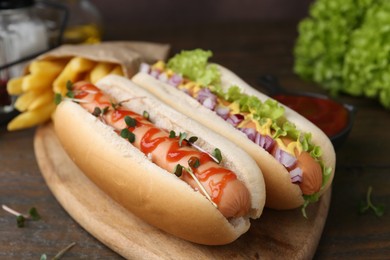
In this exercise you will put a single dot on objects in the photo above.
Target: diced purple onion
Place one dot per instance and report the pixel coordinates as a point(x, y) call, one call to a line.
point(154, 73)
point(235, 119)
point(285, 158)
point(222, 111)
point(250, 133)
point(265, 142)
point(209, 103)
point(296, 175)
point(206, 98)
point(175, 80)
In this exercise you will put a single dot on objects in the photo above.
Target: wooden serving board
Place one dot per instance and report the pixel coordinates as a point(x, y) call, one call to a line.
point(277, 234)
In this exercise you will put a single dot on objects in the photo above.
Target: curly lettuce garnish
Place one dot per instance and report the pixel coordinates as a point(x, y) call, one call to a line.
point(194, 65)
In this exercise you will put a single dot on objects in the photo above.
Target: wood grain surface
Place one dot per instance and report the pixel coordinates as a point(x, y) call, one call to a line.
point(276, 234)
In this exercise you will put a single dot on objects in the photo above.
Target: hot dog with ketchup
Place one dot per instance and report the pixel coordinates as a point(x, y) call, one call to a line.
point(297, 159)
point(157, 163)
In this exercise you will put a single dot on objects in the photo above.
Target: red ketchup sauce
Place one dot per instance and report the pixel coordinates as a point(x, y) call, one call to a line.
point(328, 115)
point(149, 142)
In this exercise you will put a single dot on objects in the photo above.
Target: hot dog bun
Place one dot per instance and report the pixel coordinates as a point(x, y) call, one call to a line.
point(148, 191)
point(281, 193)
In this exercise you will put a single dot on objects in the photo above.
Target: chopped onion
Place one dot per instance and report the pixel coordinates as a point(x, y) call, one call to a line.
point(296, 175)
point(235, 119)
point(175, 80)
point(206, 98)
point(222, 111)
point(154, 73)
point(250, 133)
point(285, 158)
point(265, 142)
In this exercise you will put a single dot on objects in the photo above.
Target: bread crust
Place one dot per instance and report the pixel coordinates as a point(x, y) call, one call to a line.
point(148, 191)
point(280, 192)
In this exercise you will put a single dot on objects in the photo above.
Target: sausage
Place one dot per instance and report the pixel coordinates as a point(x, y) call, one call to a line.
point(227, 192)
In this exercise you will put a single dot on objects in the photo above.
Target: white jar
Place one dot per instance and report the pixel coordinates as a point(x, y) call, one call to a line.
point(22, 34)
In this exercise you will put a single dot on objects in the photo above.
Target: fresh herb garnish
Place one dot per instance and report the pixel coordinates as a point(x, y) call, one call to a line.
point(182, 137)
point(57, 98)
point(194, 162)
point(178, 170)
point(146, 115)
point(217, 155)
point(172, 134)
point(59, 254)
point(97, 111)
point(192, 139)
point(21, 218)
point(125, 133)
point(130, 122)
point(367, 204)
point(69, 88)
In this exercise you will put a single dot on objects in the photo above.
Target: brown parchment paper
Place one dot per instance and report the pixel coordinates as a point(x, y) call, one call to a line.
point(128, 54)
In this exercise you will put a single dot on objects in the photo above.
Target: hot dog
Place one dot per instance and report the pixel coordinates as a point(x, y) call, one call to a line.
point(159, 164)
point(297, 159)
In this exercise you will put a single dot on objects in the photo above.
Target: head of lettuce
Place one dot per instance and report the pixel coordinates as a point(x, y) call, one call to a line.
point(344, 46)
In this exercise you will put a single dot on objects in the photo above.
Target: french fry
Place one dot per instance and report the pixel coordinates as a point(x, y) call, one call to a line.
point(100, 70)
point(25, 100)
point(53, 67)
point(72, 71)
point(44, 99)
point(38, 81)
point(14, 86)
point(31, 118)
point(117, 70)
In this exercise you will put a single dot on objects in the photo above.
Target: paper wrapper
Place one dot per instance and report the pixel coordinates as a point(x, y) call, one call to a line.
point(127, 54)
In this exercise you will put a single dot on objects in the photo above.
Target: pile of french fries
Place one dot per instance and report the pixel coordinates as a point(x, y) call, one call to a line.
point(45, 78)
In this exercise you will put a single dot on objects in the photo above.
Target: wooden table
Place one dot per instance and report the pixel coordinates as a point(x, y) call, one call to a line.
point(250, 50)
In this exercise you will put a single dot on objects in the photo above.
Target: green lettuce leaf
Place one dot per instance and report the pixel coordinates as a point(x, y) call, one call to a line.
point(194, 65)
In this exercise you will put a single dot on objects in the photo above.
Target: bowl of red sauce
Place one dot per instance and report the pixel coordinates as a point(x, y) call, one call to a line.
point(335, 119)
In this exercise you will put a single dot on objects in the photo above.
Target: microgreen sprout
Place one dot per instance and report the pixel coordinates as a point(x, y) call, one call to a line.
point(217, 155)
point(194, 162)
point(57, 98)
point(100, 112)
point(125, 133)
point(69, 88)
point(192, 139)
point(182, 137)
point(172, 134)
point(146, 115)
point(367, 204)
point(21, 218)
point(178, 170)
point(59, 254)
point(130, 122)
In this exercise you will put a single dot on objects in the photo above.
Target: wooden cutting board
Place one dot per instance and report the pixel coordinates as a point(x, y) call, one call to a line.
point(277, 234)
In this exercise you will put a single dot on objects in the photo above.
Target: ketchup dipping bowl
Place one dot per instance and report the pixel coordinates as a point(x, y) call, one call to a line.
point(334, 118)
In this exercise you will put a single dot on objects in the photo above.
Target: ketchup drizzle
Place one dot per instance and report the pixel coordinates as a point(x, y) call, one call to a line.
point(149, 142)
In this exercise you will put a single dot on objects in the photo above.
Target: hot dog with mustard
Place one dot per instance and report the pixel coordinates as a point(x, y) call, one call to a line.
point(297, 159)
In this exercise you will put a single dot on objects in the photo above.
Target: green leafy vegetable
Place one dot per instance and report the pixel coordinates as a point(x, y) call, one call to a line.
point(194, 65)
point(367, 204)
point(344, 46)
